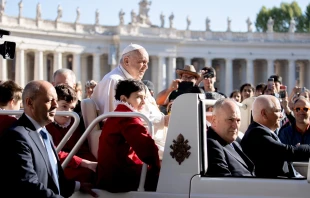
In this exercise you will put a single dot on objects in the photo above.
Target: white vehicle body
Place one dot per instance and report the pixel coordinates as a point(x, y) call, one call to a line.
point(187, 180)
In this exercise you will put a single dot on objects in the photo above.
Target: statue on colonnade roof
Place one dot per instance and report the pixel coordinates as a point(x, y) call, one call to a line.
point(59, 13)
point(249, 24)
point(78, 14)
point(162, 20)
point(208, 21)
point(2, 6)
point(121, 17)
point(38, 11)
point(144, 7)
point(20, 6)
point(97, 17)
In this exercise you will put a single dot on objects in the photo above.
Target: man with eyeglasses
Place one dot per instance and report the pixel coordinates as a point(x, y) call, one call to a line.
point(270, 156)
point(188, 74)
point(298, 132)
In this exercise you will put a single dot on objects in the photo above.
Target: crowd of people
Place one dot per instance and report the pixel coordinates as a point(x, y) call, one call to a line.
point(278, 135)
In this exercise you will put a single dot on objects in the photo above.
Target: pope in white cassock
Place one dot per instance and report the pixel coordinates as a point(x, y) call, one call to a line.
point(133, 64)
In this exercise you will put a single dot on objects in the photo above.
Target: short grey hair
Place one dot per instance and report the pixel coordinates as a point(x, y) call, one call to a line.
point(219, 104)
point(64, 71)
point(32, 89)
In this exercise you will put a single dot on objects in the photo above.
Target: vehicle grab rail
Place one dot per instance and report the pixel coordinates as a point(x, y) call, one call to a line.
point(58, 113)
point(99, 119)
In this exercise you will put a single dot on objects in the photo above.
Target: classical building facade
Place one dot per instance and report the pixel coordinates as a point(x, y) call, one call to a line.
point(92, 50)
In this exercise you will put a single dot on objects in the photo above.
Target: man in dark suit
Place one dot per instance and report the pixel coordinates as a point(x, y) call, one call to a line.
point(271, 158)
point(32, 167)
point(225, 156)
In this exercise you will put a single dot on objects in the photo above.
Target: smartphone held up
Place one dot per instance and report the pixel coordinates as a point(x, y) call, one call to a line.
point(282, 92)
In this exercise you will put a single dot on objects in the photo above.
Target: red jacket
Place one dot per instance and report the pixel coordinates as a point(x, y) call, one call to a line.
point(6, 122)
point(124, 145)
point(73, 170)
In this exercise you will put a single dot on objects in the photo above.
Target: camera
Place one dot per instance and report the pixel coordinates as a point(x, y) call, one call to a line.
point(282, 92)
point(7, 49)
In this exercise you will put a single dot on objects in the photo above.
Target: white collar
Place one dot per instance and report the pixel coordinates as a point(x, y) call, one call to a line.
point(117, 102)
point(126, 74)
point(35, 124)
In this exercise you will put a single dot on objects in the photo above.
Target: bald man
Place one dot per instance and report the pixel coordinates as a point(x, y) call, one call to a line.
point(225, 156)
point(31, 163)
point(298, 132)
point(271, 157)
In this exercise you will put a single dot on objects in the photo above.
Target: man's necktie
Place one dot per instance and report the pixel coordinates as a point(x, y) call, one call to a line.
point(51, 156)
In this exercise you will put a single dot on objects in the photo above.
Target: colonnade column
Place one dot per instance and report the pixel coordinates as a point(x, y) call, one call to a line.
point(57, 61)
point(302, 71)
point(96, 67)
point(249, 71)
point(228, 76)
point(187, 61)
point(208, 62)
point(3, 69)
point(20, 67)
point(38, 65)
point(292, 75)
point(171, 69)
point(76, 66)
point(270, 68)
point(162, 77)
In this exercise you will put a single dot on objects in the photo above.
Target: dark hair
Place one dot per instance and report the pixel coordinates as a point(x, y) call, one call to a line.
point(260, 86)
point(245, 85)
point(276, 78)
point(127, 87)
point(66, 93)
point(209, 70)
point(232, 93)
point(9, 90)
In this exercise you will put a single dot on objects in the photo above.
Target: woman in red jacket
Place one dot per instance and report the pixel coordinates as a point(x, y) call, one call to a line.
point(124, 144)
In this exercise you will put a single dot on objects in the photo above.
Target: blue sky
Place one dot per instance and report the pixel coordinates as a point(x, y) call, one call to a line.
point(198, 10)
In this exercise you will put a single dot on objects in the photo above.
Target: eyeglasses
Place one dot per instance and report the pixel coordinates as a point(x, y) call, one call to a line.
point(305, 109)
point(90, 83)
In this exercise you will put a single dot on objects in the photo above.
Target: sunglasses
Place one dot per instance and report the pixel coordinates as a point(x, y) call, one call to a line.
point(90, 84)
point(305, 109)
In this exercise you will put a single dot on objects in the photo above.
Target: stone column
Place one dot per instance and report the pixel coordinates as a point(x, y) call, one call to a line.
point(20, 67)
point(158, 74)
point(96, 67)
point(187, 61)
point(228, 76)
point(57, 61)
point(302, 72)
point(208, 62)
point(38, 65)
point(291, 76)
point(45, 71)
point(249, 71)
point(270, 68)
point(171, 69)
point(76, 66)
point(3, 69)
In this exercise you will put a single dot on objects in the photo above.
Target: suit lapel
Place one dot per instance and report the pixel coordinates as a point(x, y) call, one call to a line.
point(234, 153)
point(36, 139)
point(25, 122)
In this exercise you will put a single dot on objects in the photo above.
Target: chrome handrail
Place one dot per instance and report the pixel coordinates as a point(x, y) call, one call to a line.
point(58, 113)
point(99, 119)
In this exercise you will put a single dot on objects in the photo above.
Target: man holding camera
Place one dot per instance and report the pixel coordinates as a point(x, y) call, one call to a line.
point(188, 78)
point(208, 77)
